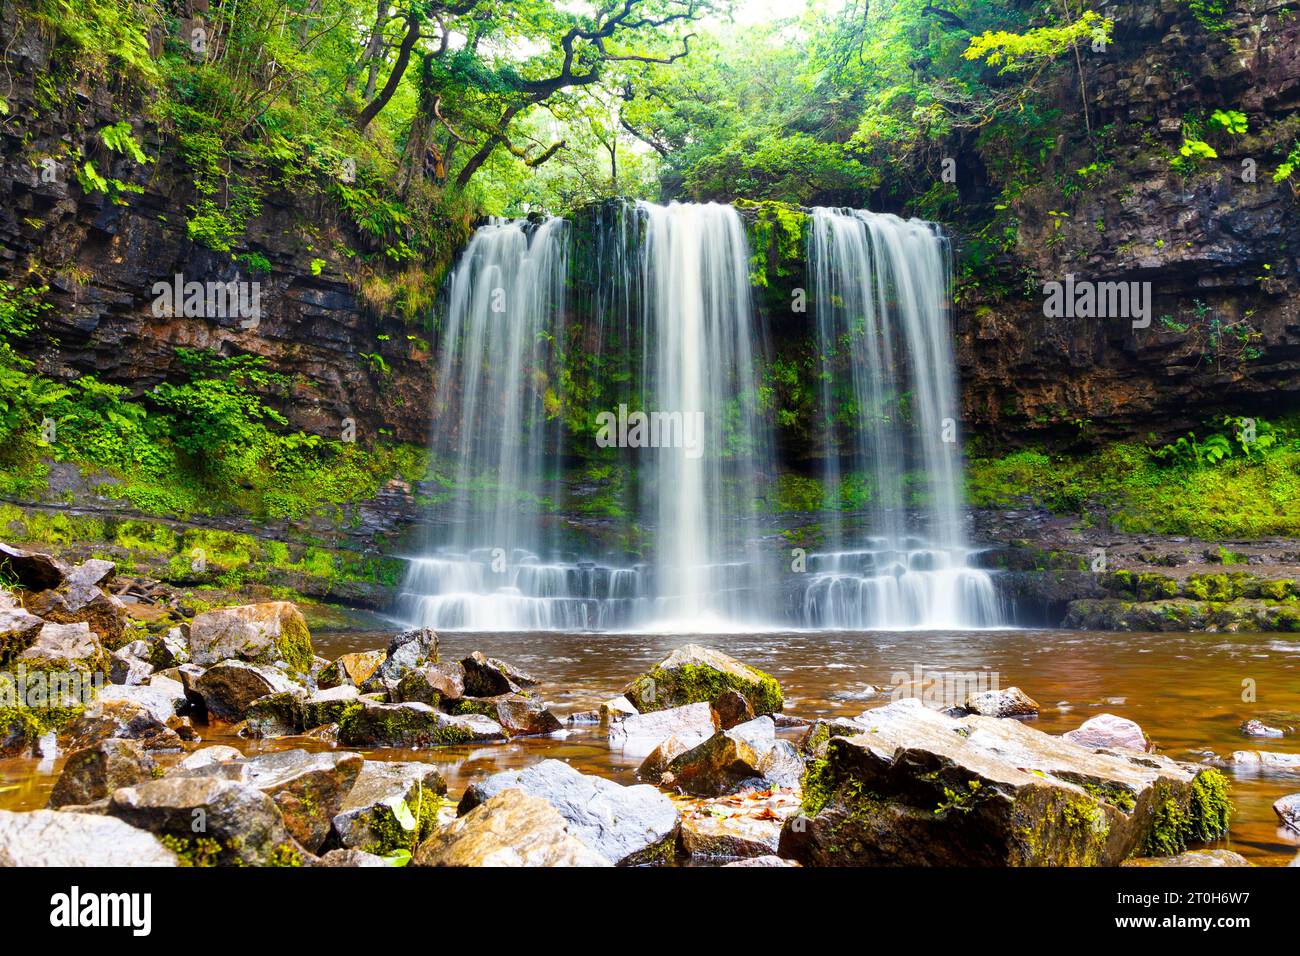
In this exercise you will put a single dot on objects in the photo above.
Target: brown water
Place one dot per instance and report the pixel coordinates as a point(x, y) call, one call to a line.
point(1184, 689)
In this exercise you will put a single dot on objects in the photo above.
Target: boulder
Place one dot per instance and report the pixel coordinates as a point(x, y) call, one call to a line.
point(1257, 728)
point(66, 645)
point(512, 828)
point(1011, 702)
point(1107, 732)
point(514, 674)
point(617, 708)
point(32, 570)
point(484, 677)
point(130, 665)
point(406, 651)
point(369, 724)
point(54, 838)
point(163, 699)
point(94, 772)
point(229, 689)
point(296, 711)
point(746, 755)
point(171, 650)
point(308, 788)
point(120, 720)
point(731, 709)
point(392, 806)
point(626, 825)
point(18, 630)
point(922, 788)
point(432, 684)
point(520, 715)
point(83, 604)
point(656, 764)
point(255, 633)
point(641, 733)
point(1288, 810)
point(209, 820)
point(694, 674)
point(709, 837)
point(819, 734)
point(1192, 858)
point(93, 573)
point(1266, 761)
point(208, 756)
point(276, 715)
point(351, 669)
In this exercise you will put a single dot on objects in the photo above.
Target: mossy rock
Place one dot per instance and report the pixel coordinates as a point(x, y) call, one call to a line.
point(694, 674)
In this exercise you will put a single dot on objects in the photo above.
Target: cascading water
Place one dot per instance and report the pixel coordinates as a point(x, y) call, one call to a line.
point(673, 332)
point(880, 289)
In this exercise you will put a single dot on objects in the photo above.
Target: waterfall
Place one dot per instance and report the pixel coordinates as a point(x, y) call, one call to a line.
point(672, 334)
point(880, 288)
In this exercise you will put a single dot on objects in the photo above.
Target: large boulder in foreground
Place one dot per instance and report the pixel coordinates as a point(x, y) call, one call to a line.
point(209, 821)
point(626, 825)
point(692, 674)
point(513, 828)
point(922, 788)
point(256, 633)
point(56, 838)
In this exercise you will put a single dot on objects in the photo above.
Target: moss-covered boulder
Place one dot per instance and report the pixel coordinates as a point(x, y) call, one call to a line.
point(255, 633)
point(520, 715)
point(18, 630)
point(692, 674)
point(230, 689)
point(241, 825)
point(94, 772)
point(369, 724)
point(921, 788)
point(393, 805)
point(350, 669)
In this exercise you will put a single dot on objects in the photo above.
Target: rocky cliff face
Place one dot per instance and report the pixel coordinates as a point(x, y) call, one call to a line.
point(101, 259)
point(1218, 244)
point(1219, 251)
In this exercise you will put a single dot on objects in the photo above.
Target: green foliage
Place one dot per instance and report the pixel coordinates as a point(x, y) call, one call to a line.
point(1191, 154)
point(1210, 14)
point(1034, 49)
point(1227, 486)
point(1230, 121)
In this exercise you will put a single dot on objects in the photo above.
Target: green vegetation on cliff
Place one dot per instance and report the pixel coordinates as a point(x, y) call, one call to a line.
point(1228, 485)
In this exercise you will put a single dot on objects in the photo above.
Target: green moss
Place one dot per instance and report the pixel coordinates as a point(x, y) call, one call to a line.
point(1211, 807)
point(285, 855)
point(193, 851)
point(295, 644)
point(1168, 836)
point(818, 786)
point(695, 683)
point(414, 822)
